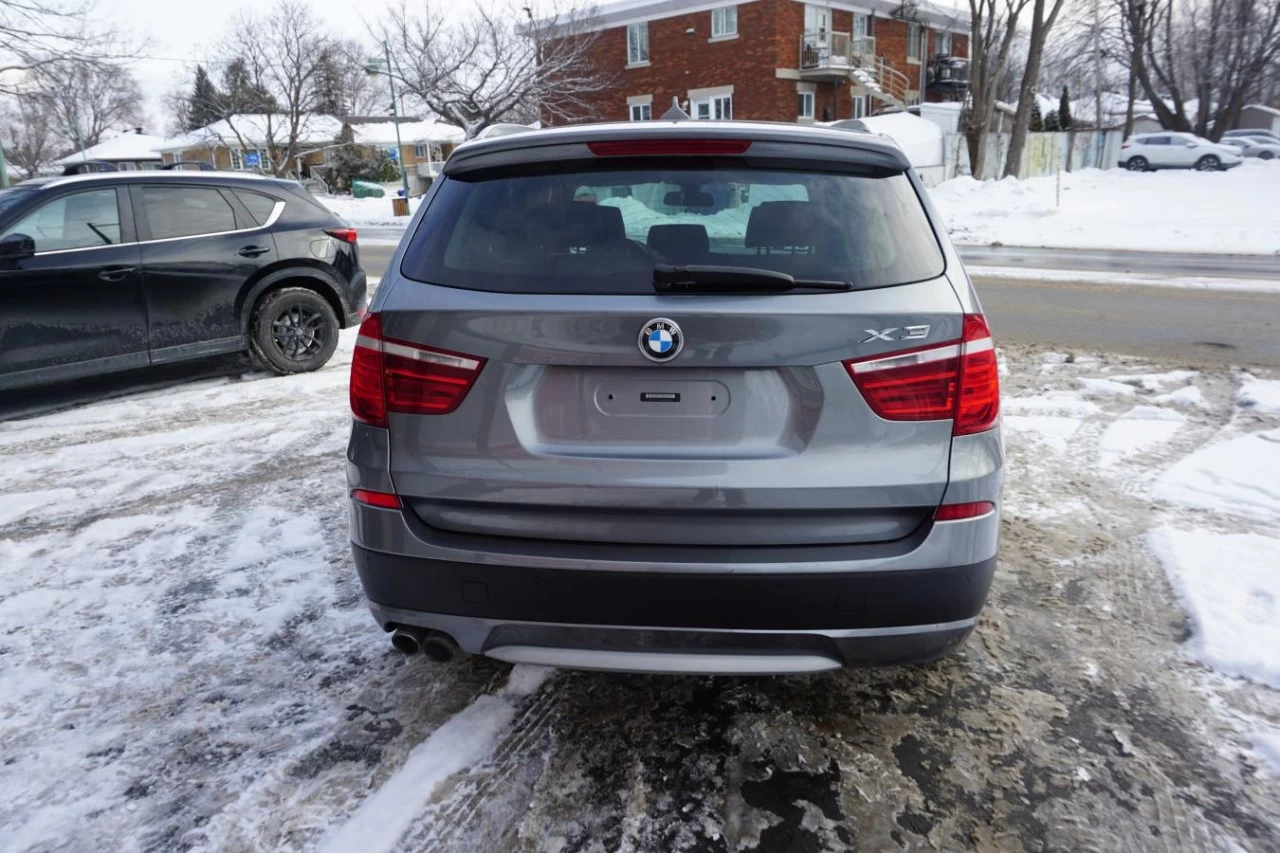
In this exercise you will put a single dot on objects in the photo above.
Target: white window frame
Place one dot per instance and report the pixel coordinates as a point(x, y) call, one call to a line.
point(914, 33)
point(421, 151)
point(942, 38)
point(237, 159)
point(724, 22)
point(638, 44)
point(806, 99)
point(641, 112)
point(859, 106)
point(718, 107)
point(860, 26)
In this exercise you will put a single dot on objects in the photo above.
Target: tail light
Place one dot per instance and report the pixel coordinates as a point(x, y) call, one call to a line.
point(381, 500)
point(957, 380)
point(388, 375)
point(1124, 145)
point(668, 147)
point(346, 235)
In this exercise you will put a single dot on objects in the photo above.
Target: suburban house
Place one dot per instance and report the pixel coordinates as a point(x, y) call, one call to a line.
point(244, 142)
point(779, 60)
point(127, 152)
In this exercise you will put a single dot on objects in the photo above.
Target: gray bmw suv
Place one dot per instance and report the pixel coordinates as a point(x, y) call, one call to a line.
point(676, 397)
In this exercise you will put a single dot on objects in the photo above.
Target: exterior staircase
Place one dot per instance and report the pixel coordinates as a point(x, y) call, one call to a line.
point(845, 56)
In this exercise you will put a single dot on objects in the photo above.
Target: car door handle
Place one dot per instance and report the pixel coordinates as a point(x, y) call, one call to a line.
point(252, 251)
point(115, 273)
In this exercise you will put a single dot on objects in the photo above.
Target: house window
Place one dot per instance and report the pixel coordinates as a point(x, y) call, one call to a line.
point(638, 44)
point(238, 160)
point(859, 106)
point(724, 22)
point(642, 112)
point(913, 42)
point(943, 41)
point(804, 105)
point(419, 152)
point(719, 107)
point(127, 167)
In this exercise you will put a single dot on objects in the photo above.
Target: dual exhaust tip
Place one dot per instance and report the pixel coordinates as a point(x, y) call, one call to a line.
point(437, 646)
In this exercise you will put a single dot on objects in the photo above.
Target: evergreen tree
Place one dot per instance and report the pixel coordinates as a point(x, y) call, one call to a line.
point(240, 94)
point(1064, 110)
point(1051, 123)
point(204, 106)
point(330, 87)
point(1037, 121)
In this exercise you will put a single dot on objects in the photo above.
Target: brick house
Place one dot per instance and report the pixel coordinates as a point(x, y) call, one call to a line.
point(779, 60)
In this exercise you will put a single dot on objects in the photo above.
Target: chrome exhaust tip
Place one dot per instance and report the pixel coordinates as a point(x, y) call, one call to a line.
point(408, 639)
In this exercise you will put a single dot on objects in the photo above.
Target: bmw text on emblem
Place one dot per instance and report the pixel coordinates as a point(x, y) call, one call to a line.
point(661, 339)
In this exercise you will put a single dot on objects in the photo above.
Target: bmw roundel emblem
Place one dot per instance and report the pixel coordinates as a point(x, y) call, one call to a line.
point(661, 339)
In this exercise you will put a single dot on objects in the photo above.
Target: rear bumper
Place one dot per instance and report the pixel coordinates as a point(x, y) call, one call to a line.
point(703, 622)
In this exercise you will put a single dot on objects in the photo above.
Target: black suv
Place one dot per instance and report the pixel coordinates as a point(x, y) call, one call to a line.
point(112, 271)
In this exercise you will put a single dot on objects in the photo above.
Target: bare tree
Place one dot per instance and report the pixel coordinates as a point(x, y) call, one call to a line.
point(90, 97)
point(29, 133)
point(37, 33)
point(276, 59)
point(1200, 61)
point(498, 65)
point(1043, 17)
point(993, 25)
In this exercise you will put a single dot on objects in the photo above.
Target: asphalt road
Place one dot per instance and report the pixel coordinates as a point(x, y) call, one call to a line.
point(1179, 324)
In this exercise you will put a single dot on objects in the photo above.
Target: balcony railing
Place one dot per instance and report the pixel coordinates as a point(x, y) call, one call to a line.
point(837, 51)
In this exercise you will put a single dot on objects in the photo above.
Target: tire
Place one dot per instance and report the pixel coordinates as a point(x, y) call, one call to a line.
point(1266, 155)
point(1136, 164)
point(293, 330)
point(1208, 163)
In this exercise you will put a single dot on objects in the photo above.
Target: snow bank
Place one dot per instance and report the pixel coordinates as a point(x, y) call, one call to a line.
point(1173, 211)
point(1239, 477)
point(920, 139)
point(367, 211)
point(1259, 395)
point(1230, 585)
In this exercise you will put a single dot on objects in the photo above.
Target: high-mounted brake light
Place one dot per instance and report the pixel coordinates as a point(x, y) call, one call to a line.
point(669, 147)
point(389, 375)
point(346, 235)
point(955, 379)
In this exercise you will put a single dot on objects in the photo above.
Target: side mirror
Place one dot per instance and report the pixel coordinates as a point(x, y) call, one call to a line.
point(14, 247)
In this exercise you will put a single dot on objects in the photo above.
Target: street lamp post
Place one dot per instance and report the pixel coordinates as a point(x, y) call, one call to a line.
point(373, 68)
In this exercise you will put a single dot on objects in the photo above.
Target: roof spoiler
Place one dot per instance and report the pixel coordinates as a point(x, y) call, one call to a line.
point(502, 129)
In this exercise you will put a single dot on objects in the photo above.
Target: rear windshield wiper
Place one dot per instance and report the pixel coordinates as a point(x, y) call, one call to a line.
point(698, 278)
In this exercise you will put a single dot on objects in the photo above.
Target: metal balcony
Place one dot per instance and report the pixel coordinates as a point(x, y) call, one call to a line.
point(827, 55)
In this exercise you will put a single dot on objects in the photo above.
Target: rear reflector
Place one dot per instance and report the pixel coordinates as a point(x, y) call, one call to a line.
point(388, 375)
point(346, 235)
point(669, 147)
point(382, 500)
point(956, 379)
point(956, 512)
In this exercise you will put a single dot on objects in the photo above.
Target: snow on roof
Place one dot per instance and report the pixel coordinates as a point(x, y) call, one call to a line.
point(127, 146)
point(253, 129)
point(1263, 108)
point(411, 133)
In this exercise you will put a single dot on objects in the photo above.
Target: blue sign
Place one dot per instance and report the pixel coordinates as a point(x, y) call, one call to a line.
point(251, 158)
point(393, 152)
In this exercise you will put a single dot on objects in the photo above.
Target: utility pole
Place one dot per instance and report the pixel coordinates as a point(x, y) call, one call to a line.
point(372, 68)
point(1098, 133)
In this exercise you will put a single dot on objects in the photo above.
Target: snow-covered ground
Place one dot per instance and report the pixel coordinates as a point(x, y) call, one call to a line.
point(368, 211)
point(1168, 211)
point(186, 661)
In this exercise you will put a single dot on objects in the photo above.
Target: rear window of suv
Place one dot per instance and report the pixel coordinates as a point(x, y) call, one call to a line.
point(605, 230)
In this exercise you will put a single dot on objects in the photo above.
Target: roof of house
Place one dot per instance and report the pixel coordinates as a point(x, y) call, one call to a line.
point(253, 129)
point(941, 14)
point(411, 133)
point(1262, 108)
point(127, 146)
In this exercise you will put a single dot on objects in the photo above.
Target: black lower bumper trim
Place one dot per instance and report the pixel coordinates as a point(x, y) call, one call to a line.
point(779, 602)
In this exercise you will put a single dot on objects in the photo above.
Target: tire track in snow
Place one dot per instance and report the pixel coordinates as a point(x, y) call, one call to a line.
point(464, 740)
